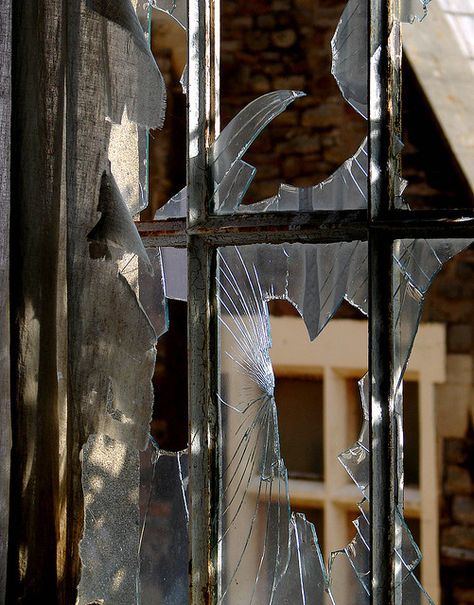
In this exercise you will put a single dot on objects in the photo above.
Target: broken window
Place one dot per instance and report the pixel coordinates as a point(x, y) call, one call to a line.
point(126, 499)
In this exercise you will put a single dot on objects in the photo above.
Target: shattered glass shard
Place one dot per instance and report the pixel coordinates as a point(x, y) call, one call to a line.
point(305, 581)
point(411, 10)
point(115, 228)
point(346, 586)
point(244, 128)
point(164, 520)
point(134, 80)
point(345, 189)
point(349, 55)
point(175, 273)
point(178, 9)
point(231, 175)
point(176, 207)
point(151, 292)
point(350, 48)
point(230, 194)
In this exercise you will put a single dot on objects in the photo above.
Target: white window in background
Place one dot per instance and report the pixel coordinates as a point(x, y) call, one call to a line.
point(320, 416)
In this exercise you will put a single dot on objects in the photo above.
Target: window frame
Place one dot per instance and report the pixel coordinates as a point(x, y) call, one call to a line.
point(203, 232)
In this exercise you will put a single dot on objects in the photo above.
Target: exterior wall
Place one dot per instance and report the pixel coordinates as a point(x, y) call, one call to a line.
point(451, 301)
point(286, 44)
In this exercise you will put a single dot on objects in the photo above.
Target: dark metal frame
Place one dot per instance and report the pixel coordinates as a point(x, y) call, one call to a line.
point(203, 232)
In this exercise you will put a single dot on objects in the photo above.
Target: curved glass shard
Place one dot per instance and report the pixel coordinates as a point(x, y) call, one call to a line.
point(345, 189)
point(115, 229)
point(349, 47)
point(242, 130)
point(349, 55)
point(177, 9)
point(231, 175)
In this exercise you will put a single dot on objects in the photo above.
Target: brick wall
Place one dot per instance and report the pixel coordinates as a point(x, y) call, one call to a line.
point(457, 521)
point(285, 44)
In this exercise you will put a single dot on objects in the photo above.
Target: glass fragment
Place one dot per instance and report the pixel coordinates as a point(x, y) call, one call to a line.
point(164, 520)
point(345, 189)
point(115, 232)
point(134, 82)
point(177, 9)
point(411, 10)
point(231, 175)
point(176, 207)
point(349, 55)
point(256, 520)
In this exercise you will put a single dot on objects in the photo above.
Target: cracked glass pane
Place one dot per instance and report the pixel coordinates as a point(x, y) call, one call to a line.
point(269, 553)
point(263, 558)
point(266, 549)
point(346, 188)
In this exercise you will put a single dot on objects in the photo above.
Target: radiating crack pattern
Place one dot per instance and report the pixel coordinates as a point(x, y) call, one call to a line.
point(263, 558)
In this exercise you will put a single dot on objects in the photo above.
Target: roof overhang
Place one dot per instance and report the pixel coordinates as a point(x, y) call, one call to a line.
point(437, 52)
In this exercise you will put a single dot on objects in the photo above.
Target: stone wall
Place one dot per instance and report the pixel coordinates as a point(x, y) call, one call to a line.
point(285, 44)
point(457, 521)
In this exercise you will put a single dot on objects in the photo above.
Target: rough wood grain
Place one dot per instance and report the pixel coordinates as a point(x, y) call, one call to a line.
point(36, 563)
point(5, 420)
